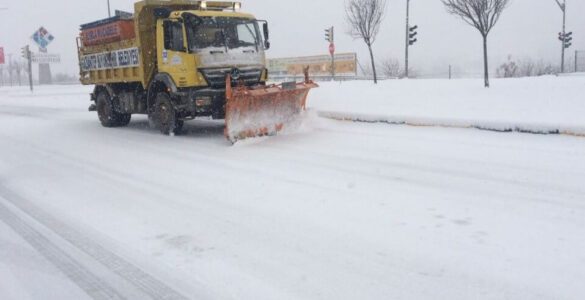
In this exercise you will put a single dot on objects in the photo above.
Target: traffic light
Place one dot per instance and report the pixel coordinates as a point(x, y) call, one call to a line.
point(412, 35)
point(25, 52)
point(568, 37)
point(330, 35)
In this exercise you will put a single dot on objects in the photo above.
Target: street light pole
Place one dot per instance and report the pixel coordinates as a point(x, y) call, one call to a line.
point(563, 7)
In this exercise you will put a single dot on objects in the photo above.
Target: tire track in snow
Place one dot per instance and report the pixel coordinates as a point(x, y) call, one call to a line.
point(83, 278)
point(131, 273)
point(324, 163)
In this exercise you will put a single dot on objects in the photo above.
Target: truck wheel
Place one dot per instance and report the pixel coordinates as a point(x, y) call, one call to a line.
point(105, 109)
point(165, 116)
point(179, 127)
point(124, 119)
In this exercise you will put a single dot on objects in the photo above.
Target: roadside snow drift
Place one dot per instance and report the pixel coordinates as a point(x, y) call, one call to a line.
point(537, 105)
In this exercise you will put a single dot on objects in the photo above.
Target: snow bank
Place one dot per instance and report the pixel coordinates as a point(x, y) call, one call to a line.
point(544, 105)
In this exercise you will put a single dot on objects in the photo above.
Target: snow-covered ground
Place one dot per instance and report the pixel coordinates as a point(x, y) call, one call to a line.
point(340, 210)
point(541, 105)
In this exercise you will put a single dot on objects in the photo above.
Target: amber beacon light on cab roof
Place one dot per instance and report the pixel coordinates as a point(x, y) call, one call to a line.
point(178, 60)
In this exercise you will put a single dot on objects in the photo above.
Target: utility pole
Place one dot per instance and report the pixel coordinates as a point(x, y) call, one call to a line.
point(330, 37)
point(407, 38)
point(563, 7)
point(410, 37)
point(332, 51)
point(30, 80)
point(109, 10)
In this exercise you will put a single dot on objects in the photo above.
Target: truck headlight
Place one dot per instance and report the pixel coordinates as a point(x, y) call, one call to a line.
point(237, 6)
point(203, 4)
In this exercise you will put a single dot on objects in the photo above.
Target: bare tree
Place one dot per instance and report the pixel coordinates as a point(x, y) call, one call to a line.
point(19, 68)
point(527, 67)
point(481, 14)
point(546, 68)
point(508, 69)
point(391, 68)
point(364, 18)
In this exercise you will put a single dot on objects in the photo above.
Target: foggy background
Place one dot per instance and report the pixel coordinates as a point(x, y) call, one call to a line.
point(528, 28)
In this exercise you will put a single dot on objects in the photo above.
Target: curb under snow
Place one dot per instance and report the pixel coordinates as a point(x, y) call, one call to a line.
point(498, 126)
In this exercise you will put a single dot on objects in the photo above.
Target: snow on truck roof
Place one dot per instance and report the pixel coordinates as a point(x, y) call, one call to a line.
point(206, 13)
point(204, 5)
point(210, 9)
point(120, 15)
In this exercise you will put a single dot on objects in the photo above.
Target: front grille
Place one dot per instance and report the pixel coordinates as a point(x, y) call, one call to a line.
point(216, 77)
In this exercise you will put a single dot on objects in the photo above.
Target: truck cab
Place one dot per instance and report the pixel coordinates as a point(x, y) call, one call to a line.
point(197, 48)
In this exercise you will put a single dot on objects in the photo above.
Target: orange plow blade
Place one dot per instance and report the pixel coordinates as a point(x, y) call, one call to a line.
point(263, 110)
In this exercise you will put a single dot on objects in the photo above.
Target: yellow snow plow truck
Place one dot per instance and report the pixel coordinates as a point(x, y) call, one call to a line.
point(177, 60)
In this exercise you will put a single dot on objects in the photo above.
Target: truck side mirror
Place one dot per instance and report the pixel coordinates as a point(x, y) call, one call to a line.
point(266, 35)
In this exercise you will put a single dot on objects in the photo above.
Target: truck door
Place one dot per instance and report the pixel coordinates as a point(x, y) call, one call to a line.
point(173, 57)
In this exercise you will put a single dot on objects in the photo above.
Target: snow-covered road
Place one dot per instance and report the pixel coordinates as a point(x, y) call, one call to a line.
point(338, 211)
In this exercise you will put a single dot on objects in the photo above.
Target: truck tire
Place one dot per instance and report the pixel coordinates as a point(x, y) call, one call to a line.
point(165, 116)
point(105, 109)
point(124, 120)
point(106, 113)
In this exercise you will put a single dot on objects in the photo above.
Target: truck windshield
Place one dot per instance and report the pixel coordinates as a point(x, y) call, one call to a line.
point(223, 32)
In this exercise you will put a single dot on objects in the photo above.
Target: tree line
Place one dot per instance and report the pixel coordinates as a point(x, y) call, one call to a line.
point(16, 73)
point(364, 18)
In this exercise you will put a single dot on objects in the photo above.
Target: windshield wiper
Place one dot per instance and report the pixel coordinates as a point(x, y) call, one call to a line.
point(254, 35)
point(224, 38)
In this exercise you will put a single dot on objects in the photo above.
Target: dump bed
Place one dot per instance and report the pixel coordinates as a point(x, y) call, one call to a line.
point(109, 51)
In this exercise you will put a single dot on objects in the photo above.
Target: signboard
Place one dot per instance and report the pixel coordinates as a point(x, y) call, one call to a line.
point(46, 58)
point(123, 58)
point(113, 31)
point(2, 58)
point(332, 48)
point(345, 64)
point(42, 37)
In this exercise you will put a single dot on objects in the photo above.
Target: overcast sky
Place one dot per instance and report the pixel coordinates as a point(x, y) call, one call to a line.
point(528, 28)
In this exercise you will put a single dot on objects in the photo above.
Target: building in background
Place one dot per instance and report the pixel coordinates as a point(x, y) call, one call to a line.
point(319, 66)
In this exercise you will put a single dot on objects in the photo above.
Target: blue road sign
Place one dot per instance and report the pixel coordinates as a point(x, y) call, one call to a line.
point(42, 37)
